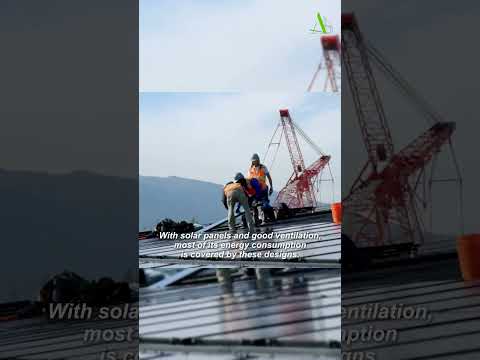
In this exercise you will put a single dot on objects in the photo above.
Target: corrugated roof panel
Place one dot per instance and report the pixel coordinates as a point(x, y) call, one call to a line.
point(297, 312)
point(322, 246)
point(37, 338)
point(452, 328)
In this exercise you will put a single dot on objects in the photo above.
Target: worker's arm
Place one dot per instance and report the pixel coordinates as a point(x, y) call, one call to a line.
point(224, 200)
point(271, 183)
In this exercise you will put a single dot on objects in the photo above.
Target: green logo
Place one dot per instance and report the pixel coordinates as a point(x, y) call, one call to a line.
point(324, 27)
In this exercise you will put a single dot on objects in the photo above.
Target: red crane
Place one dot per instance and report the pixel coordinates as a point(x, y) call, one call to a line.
point(331, 63)
point(299, 191)
point(385, 193)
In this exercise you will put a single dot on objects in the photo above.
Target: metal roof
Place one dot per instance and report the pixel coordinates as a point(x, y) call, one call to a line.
point(41, 339)
point(453, 330)
point(296, 314)
point(322, 248)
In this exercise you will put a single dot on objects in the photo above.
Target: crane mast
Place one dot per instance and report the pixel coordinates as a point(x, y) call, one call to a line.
point(368, 105)
point(331, 50)
point(292, 142)
point(331, 63)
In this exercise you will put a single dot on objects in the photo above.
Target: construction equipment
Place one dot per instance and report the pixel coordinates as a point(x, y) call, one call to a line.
point(381, 207)
point(331, 63)
point(299, 192)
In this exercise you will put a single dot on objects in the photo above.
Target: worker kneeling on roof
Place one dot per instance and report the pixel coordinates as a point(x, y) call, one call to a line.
point(258, 174)
point(233, 193)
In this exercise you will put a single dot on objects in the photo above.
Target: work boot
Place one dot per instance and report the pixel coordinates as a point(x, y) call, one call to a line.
point(244, 222)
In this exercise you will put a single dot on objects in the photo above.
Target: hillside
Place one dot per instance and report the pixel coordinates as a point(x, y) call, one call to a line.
point(179, 199)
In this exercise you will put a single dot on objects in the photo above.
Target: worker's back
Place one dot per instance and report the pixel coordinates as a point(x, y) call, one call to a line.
point(231, 187)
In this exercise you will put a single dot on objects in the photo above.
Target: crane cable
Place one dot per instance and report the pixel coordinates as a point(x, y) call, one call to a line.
point(308, 139)
point(271, 143)
point(310, 86)
point(382, 64)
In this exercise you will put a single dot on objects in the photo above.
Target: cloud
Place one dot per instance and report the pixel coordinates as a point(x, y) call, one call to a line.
point(238, 45)
point(212, 136)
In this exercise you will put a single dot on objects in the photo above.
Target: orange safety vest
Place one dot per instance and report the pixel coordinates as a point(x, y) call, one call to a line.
point(259, 174)
point(230, 188)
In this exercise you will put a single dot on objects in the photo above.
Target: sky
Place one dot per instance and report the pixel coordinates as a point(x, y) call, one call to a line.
point(68, 79)
point(237, 45)
point(212, 136)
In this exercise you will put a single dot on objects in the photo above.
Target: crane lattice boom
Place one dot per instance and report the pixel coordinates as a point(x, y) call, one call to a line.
point(368, 105)
point(299, 191)
point(294, 194)
point(383, 193)
point(292, 142)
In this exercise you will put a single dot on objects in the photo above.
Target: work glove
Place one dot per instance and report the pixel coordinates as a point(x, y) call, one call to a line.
point(270, 192)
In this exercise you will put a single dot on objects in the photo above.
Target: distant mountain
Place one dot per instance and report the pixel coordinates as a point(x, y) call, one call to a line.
point(83, 222)
point(178, 199)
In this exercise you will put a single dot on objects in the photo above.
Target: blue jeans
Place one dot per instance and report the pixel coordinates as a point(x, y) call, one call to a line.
point(263, 199)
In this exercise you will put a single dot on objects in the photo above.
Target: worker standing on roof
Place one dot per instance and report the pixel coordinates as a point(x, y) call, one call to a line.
point(233, 193)
point(260, 173)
